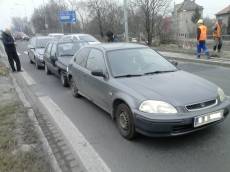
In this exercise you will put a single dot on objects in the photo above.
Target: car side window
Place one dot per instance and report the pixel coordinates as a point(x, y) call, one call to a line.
point(53, 50)
point(96, 61)
point(81, 57)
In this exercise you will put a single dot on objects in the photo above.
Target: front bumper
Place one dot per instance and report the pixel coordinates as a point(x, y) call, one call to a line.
point(40, 62)
point(174, 125)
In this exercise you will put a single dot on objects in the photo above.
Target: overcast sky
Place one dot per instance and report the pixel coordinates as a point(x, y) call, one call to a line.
point(11, 8)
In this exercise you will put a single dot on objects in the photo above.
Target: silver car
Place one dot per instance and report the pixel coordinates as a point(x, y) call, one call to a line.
point(144, 92)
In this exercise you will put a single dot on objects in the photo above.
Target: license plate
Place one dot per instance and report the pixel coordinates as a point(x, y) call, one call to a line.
point(208, 118)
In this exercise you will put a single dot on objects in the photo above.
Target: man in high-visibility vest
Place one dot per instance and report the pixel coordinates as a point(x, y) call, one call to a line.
point(201, 38)
point(217, 35)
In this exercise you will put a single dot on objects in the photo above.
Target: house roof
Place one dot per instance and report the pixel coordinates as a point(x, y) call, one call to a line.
point(188, 5)
point(224, 11)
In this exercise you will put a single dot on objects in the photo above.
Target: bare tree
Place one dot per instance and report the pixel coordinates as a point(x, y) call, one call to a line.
point(152, 9)
point(81, 8)
point(98, 9)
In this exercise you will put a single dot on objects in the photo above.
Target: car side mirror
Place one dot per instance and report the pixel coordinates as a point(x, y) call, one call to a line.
point(175, 63)
point(31, 47)
point(99, 73)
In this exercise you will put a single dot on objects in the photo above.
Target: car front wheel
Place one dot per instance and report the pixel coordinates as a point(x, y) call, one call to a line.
point(64, 80)
point(125, 121)
point(74, 89)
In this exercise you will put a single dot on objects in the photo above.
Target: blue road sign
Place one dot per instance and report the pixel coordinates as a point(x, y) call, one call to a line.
point(67, 16)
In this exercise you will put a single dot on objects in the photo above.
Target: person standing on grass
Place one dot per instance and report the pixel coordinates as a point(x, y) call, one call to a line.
point(201, 39)
point(9, 45)
point(217, 35)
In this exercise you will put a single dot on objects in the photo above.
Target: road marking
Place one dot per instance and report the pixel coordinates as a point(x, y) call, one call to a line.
point(19, 54)
point(26, 52)
point(29, 80)
point(89, 157)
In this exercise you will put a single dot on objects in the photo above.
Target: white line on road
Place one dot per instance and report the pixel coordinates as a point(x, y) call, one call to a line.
point(26, 52)
point(89, 157)
point(29, 80)
point(19, 54)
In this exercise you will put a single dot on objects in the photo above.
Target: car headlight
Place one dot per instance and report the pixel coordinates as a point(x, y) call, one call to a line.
point(153, 106)
point(221, 94)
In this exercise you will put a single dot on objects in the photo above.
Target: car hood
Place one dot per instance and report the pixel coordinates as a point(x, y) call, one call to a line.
point(64, 60)
point(178, 88)
point(40, 51)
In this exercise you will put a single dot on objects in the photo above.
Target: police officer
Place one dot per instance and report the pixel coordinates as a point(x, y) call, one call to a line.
point(201, 39)
point(9, 45)
point(217, 35)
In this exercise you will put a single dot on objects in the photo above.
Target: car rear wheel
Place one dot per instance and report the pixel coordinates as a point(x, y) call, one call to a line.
point(74, 89)
point(64, 80)
point(125, 121)
point(47, 70)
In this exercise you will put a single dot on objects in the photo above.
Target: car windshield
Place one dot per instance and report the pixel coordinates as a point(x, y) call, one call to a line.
point(69, 49)
point(41, 42)
point(137, 62)
point(87, 38)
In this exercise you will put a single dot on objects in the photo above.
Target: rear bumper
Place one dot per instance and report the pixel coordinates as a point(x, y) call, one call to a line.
point(173, 126)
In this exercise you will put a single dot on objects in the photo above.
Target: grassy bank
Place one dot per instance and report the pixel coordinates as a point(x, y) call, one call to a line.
point(20, 147)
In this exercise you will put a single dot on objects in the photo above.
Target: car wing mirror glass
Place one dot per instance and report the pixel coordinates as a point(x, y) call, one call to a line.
point(99, 73)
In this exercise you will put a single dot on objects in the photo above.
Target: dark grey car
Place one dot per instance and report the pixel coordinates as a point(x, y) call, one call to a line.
point(144, 92)
point(36, 48)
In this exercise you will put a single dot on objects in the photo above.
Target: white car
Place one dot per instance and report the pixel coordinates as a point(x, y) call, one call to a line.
point(82, 37)
point(56, 35)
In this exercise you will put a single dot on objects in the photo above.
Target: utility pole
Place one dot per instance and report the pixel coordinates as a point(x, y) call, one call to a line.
point(126, 21)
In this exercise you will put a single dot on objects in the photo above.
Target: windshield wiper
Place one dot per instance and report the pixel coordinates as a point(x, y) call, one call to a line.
point(66, 55)
point(159, 71)
point(127, 76)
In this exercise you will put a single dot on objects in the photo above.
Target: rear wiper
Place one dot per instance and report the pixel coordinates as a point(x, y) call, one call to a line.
point(128, 75)
point(159, 71)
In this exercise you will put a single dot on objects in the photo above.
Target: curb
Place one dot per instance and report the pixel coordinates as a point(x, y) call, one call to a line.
point(38, 129)
point(199, 61)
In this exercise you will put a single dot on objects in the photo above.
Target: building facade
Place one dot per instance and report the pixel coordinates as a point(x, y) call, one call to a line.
point(225, 16)
point(182, 19)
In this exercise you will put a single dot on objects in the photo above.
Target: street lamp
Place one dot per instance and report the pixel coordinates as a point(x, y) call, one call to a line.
point(126, 21)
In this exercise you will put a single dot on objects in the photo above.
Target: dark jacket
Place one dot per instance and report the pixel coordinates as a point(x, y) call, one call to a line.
point(8, 42)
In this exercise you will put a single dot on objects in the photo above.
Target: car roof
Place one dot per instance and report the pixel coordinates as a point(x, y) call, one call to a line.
point(116, 46)
point(79, 34)
point(44, 37)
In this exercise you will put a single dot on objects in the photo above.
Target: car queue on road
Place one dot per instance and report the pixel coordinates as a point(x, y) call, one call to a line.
point(141, 90)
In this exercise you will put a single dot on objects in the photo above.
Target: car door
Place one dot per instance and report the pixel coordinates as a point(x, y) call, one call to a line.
point(77, 68)
point(47, 52)
point(53, 57)
point(97, 87)
point(31, 49)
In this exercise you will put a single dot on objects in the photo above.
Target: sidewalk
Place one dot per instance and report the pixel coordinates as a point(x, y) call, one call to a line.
point(20, 145)
point(192, 58)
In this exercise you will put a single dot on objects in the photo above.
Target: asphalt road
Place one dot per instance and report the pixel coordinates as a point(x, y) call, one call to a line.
point(207, 150)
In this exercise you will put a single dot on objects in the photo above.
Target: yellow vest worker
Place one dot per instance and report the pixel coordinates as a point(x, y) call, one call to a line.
point(201, 39)
point(217, 33)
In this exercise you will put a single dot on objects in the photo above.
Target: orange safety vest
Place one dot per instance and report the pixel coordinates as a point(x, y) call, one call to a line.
point(203, 32)
point(217, 32)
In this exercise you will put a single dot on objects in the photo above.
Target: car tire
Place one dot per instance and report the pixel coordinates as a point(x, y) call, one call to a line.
point(125, 121)
point(47, 70)
point(64, 80)
point(74, 89)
